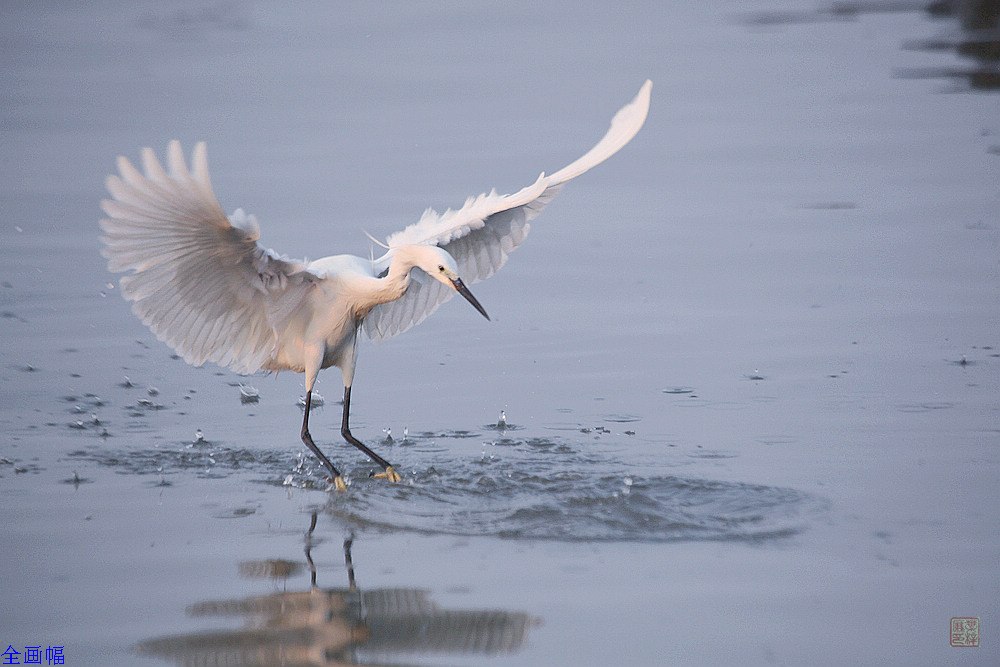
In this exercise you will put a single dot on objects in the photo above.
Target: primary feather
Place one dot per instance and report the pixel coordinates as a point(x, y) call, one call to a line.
point(483, 233)
point(199, 280)
point(203, 284)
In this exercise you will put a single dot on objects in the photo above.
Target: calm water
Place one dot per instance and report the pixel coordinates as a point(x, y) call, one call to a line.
point(750, 365)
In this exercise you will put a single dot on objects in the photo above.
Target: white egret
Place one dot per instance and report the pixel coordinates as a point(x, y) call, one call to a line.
point(203, 285)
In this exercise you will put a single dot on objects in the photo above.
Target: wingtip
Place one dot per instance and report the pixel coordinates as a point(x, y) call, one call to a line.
point(645, 90)
point(199, 166)
point(639, 106)
point(175, 161)
point(625, 124)
point(632, 116)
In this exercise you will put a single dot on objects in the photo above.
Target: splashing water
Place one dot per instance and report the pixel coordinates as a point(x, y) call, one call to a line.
point(534, 488)
point(541, 489)
point(249, 394)
point(315, 401)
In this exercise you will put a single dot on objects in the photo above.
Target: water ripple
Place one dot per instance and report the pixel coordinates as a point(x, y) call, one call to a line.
point(532, 488)
point(572, 497)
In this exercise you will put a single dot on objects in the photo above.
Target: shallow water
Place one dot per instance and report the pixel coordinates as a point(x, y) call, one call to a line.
point(750, 366)
point(521, 489)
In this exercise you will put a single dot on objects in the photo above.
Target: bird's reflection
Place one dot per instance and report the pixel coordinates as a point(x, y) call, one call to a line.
point(338, 626)
point(976, 38)
point(977, 41)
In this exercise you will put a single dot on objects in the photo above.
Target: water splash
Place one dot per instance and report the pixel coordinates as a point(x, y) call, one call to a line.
point(502, 425)
point(543, 490)
point(530, 488)
point(316, 400)
point(249, 394)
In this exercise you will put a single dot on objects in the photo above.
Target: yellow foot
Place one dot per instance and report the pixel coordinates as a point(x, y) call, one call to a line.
point(338, 483)
point(389, 474)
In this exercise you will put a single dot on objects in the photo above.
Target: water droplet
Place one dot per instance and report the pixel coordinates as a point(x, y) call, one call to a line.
point(627, 488)
point(502, 422)
point(152, 391)
point(314, 402)
point(248, 394)
point(199, 436)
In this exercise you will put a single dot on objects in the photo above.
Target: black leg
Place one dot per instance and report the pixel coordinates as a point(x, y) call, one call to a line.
point(338, 481)
point(345, 430)
point(309, 559)
point(350, 563)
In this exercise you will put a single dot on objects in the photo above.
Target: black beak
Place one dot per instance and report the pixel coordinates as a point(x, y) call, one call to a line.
point(464, 291)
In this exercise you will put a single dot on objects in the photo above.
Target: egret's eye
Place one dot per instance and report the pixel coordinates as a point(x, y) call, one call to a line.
point(441, 268)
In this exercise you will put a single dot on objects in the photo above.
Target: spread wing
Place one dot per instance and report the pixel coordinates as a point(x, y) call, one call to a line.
point(483, 233)
point(199, 280)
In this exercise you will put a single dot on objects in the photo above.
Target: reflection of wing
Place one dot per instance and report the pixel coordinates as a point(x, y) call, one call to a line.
point(448, 632)
point(199, 280)
point(487, 228)
point(336, 626)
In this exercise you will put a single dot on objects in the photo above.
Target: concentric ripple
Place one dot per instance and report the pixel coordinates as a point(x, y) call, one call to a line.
point(540, 490)
point(532, 488)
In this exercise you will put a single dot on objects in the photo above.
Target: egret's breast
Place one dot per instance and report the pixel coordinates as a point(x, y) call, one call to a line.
point(324, 327)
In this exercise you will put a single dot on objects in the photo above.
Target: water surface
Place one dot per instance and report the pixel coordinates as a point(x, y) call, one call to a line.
point(749, 365)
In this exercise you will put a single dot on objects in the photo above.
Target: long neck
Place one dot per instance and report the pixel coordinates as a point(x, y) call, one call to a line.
point(395, 282)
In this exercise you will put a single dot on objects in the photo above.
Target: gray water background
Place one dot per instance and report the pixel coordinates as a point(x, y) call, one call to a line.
point(749, 365)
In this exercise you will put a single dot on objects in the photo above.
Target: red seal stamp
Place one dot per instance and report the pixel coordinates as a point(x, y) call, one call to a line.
point(965, 632)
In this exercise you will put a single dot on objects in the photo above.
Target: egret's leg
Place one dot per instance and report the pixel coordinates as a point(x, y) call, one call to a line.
point(345, 430)
point(338, 481)
point(351, 583)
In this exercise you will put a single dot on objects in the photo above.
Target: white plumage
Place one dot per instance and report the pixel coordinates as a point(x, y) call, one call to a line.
point(203, 285)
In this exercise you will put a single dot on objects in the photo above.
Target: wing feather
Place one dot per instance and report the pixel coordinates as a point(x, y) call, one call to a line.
point(483, 233)
point(198, 279)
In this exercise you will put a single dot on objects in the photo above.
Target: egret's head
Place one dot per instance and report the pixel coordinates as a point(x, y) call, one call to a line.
point(438, 264)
